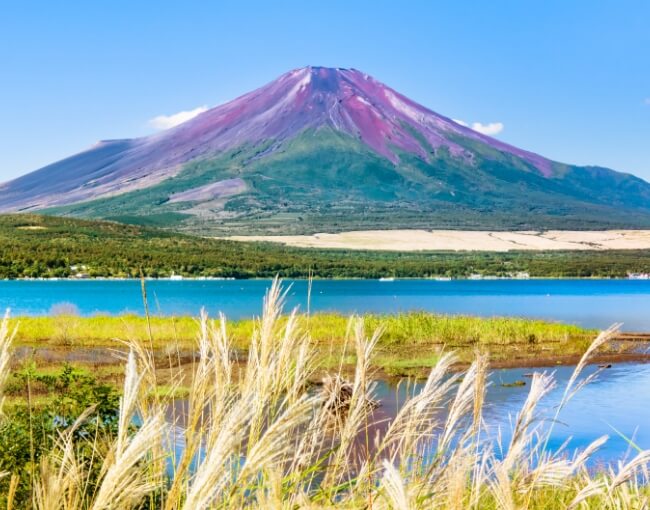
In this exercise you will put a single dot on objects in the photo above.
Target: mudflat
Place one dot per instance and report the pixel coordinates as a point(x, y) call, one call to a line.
point(466, 240)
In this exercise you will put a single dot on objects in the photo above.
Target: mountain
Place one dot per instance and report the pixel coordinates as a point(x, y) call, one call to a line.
point(327, 149)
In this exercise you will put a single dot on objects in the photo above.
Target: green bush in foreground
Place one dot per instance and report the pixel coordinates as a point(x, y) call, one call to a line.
point(31, 430)
point(261, 436)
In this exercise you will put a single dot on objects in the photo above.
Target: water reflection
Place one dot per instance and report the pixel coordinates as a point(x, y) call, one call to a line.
point(616, 403)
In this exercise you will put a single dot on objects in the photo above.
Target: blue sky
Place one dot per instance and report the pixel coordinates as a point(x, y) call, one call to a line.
point(567, 79)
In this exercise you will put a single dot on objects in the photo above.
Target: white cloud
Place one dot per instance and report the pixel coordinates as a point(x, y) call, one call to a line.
point(168, 121)
point(490, 129)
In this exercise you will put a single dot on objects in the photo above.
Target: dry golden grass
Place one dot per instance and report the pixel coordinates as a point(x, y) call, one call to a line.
point(465, 240)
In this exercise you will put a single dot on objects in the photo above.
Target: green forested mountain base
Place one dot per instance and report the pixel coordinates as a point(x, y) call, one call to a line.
point(325, 181)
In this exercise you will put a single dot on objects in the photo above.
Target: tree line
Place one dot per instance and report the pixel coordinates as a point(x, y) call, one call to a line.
point(33, 246)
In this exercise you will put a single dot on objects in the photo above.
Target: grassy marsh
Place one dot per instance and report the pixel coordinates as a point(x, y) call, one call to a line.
point(404, 329)
point(410, 343)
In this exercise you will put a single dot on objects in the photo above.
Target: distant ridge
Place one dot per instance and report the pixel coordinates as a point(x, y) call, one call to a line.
point(327, 149)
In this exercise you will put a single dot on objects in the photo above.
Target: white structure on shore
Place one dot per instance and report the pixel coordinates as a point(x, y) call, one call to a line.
point(638, 276)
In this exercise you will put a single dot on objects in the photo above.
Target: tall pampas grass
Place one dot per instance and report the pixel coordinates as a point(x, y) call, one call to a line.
point(6, 338)
point(257, 433)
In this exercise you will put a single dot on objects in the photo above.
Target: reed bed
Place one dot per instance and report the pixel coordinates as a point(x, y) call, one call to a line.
point(259, 435)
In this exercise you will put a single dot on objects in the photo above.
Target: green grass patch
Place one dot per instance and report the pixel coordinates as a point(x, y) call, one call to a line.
point(407, 329)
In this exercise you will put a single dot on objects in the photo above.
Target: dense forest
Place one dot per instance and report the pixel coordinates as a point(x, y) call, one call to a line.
point(34, 246)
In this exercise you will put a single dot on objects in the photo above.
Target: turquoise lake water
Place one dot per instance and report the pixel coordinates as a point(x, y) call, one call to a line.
point(590, 303)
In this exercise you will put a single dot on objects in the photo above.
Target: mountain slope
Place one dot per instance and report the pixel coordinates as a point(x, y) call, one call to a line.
point(327, 149)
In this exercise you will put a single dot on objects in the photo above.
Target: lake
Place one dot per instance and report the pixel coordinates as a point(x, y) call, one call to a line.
point(589, 303)
point(616, 404)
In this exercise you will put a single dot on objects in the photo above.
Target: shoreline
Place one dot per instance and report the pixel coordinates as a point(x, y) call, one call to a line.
point(318, 278)
point(103, 355)
point(566, 360)
point(536, 363)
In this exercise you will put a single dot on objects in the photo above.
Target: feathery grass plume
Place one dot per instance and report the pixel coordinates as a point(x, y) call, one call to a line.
point(628, 487)
point(7, 336)
point(479, 477)
point(629, 470)
point(148, 402)
point(572, 388)
point(348, 426)
point(128, 402)
point(447, 472)
point(149, 406)
point(590, 489)
point(270, 370)
point(477, 470)
point(123, 484)
point(458, 448)
point(314, 449)
point(212, 380)
point(554, 470)
point(395, 490)
point(527, 423)
point(261, 418)
point(460, 407)
point(549, 464)
point(60, 485)
point(510, 472)
point(262, 344)
point(222, 348)
point(122, 480)
point(420, 415)
point(480, 386)
point(274, 450)
point(216, 468)
point(274, 494)
point(208, 401)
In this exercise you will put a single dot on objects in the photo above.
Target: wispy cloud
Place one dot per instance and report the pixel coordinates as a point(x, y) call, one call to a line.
point(168, 121)
point(646, 101)
point(490, 129)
